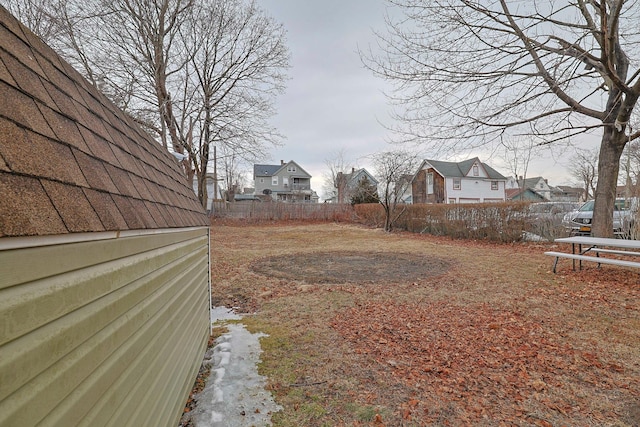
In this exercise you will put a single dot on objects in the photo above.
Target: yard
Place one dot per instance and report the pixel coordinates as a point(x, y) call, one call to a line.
point(371, 328)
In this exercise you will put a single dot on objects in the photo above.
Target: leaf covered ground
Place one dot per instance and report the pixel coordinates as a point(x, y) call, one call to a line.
point(371, 328)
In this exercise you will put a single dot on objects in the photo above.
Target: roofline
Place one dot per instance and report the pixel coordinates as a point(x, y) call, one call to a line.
point(21, 242)
point(297, 164)
point(482, 164)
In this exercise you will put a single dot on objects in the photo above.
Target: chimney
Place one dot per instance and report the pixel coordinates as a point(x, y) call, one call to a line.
point(281, 162)
point(353, 170)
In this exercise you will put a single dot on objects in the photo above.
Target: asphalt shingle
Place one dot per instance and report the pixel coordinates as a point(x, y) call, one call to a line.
point(70, 160)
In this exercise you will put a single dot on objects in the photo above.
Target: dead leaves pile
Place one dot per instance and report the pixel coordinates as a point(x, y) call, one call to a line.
point(470, 365)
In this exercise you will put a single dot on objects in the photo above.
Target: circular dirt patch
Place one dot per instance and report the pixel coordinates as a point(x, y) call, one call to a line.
point(351, 267)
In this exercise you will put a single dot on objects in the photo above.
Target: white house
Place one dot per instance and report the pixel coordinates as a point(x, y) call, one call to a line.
point(469, 181)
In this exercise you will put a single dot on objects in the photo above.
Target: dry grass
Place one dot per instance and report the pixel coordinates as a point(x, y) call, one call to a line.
point(493, 337)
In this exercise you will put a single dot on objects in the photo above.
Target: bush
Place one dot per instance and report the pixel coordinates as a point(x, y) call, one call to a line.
point(503, 222)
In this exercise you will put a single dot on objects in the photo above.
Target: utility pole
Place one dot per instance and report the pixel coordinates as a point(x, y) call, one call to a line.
point(215, 172)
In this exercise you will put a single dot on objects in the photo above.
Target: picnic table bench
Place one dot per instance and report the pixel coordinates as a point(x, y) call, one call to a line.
point(585, 248)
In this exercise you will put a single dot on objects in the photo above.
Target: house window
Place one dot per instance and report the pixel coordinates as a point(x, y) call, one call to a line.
point(291, 168)
point(274, 180)
point(457, 183)
point(494, 185)
point(475, 170)
point(261, 180)
point(285, 182)
point(430, 183)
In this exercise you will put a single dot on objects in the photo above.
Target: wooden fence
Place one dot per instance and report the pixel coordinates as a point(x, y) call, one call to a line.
point(274, 211)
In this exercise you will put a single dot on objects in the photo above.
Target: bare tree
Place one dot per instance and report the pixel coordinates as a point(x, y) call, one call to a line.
point(365, 191)
point(195, 74)
point(335, 183)
point(38, 15)
point(147, 33)
point(584, 167)
point(468, 71)
point(238, 58)
point(630, 169)
point(517, 155)
point(393, 169)
point(231, 172)
point(130, 50)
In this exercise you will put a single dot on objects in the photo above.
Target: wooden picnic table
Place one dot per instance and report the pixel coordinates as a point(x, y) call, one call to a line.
point(586, 248)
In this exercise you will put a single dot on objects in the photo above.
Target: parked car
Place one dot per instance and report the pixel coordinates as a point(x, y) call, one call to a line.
point(544, 219)
point(579, 222)
point(549, 211)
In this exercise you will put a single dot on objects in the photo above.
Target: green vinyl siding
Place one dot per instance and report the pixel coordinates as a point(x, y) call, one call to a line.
point(116, 338)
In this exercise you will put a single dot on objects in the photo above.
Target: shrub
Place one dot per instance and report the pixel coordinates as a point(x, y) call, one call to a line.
point(489, 221)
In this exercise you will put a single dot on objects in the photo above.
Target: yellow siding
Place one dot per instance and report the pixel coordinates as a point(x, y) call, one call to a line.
point(103, 333)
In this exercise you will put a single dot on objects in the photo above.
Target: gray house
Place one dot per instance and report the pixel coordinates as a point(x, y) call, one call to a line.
point(348, 182)
point(286, 182)
point(104, 254)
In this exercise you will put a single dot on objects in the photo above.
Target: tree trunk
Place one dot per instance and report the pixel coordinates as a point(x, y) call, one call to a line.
point(387, 215)
point(202, 179)
point(613, 142)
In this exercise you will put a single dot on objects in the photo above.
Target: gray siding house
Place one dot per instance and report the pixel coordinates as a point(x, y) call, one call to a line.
point(104, 254)
point(347, 183)
point(286, 182)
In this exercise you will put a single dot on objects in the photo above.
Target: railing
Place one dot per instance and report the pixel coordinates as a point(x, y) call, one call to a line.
point(297, 187)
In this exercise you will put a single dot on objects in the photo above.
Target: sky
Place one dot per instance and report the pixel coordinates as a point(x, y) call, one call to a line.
point(333, 103)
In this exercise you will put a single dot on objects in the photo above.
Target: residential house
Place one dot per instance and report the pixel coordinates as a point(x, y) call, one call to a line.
point(538, 185)
point(104, 254)
point(570, 194)
point(469, 181)
point(210, 188)
point(404, 189)
point(347, 183)
point(538, 189)
point(527, 194)
point(628, 190)
point(286, 182)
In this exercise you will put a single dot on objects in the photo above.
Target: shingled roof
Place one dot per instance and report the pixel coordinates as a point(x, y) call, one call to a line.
point(461, 169)
point(70, 160)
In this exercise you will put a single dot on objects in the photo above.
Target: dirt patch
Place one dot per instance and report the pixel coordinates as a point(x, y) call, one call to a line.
point(351, 267)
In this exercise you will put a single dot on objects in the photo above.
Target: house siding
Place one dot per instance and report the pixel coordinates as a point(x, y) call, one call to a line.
point(439, 192)
point(419, 187)
point(475, 190)
point(292, 191)
point(108, 331)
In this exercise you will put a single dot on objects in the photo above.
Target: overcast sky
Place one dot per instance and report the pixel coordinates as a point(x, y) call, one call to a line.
point(332, 102)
